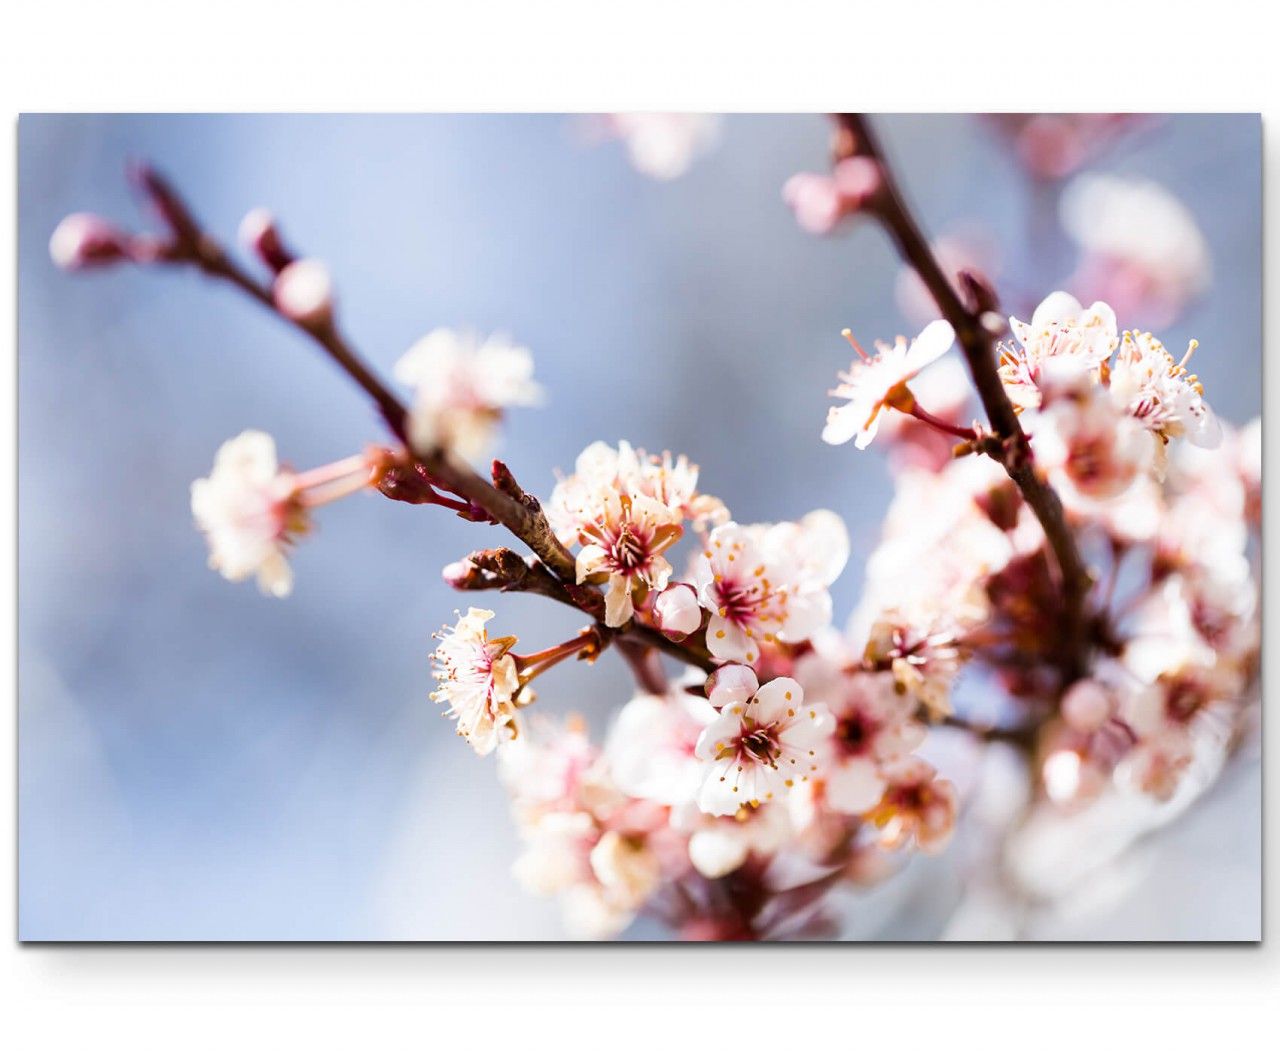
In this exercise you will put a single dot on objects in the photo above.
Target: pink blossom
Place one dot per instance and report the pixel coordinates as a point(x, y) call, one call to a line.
point(624, 547)
point(916, 805)
point(756, 750)
point(765, 583)
point(304, 292)
point(1141, 249)
point(478, 680)
point(250, 511)
point(820, 202)
point(83, 240)
point(677, 611)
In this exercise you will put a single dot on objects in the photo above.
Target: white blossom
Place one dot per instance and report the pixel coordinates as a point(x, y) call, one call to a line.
point(665, 145)
point(768, 583)
point(478, 680)
point(1141, 247)
point(624, 547)
point(1157, 390)
point(462, 387)
point(874, 382)
point(1061, 330)
point(249, 511)
point(756, 750)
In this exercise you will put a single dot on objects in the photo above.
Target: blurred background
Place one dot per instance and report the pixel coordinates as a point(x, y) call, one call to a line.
point(197, 761)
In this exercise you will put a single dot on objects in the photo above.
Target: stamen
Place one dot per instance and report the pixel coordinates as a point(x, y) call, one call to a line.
point(848, 335)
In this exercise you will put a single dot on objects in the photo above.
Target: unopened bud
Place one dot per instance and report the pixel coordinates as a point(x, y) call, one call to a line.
point(461, 574)
point(677, 611)
point(1086, 706)
point(83, 240)
point(858, 179)
point(734, 682)
point(488, 569)
point(815, 201)
point(258, 233)
point(304, 292)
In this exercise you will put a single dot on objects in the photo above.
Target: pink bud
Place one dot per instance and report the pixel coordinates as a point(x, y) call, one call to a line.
point(1050, 147)
point(858, 179)
point(84, 240)
point(258, 233)
point(734, 682)
point(815, 201)
point(677, 611)
point(459, 574)
point(304, 292)
point(1086, 706)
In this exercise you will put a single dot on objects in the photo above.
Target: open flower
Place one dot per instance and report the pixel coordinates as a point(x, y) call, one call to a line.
point(874, 724)
point(944, 389)
point(624, 548)
point(915, 805)
point(602, 470)
point(651, 747)
point(250, 511)
point(767, 583)
point(878, 381)
point(757, 748)
point(1059, 331)
point(1157, 389)
point(478, 679)
point(1091, 449)
point(1141, 248)
point(463, 385)
point(719, 845)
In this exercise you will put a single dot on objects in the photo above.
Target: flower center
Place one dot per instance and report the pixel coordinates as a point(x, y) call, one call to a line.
point(1183, 700)
point(760, 745)
point(629, 551)
point(853, 734)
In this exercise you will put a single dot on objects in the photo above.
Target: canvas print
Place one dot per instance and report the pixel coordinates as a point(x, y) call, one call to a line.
point(640, 526)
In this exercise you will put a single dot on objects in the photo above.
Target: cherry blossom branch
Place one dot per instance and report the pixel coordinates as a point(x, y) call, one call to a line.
point(190, 244)
point(921, 414)
point(1023, 738)
point(972, 324)
point(508, 572)
point(503, 501)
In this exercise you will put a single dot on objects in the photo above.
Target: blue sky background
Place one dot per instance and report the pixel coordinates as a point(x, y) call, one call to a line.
point(198, 761)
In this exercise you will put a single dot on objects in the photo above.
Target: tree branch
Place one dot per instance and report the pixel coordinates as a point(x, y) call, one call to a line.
point(855, 137)
point(191, 244)
point(508, 572)
point(553, 573)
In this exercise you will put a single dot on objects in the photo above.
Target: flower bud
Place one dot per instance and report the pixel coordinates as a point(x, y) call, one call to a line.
point(258, 233)
point(83, 240)
point(734, 682)
point(858, 180)
point(677, 611)
point(1086, 706)
point(304, 292)
point(815, 201)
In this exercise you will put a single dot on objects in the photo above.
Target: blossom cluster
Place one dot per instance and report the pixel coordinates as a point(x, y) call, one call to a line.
point(796, 753)
point(796, 748)
point(801, 760)
point(1149, 477)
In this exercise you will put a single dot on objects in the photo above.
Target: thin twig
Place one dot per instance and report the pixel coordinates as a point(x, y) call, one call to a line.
point(504, 501)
